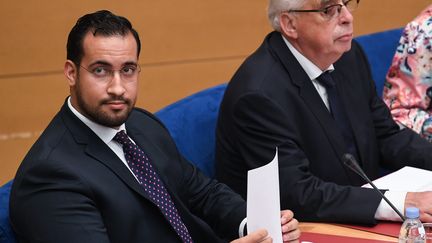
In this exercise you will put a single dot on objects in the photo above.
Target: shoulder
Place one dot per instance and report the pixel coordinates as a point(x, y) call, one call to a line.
point(262, 67)
point(265, 56)
point(144, 117)
point(355, 54)
point(354, 60)
point(143, 121)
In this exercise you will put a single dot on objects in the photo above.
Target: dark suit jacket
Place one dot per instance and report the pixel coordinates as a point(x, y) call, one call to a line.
point(271, 102)
point(71, 187)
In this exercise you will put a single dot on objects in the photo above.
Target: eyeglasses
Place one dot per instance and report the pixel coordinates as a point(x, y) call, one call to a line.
point(127, 73)
point(332, 11)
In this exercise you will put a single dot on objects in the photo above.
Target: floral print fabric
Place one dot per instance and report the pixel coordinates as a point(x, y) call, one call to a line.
point(409, 79)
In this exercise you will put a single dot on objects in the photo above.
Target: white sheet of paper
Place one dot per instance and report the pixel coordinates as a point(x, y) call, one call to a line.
point(263, 204)
point(406, 179)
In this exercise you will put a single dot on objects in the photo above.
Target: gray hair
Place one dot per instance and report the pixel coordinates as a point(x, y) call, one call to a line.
point(275, 7)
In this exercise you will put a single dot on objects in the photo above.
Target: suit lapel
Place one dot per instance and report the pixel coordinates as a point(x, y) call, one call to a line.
point(322, 114)
point(101, 152)
point(169, 172)
point(308, 92)
point(161, 163)
point(349, 99)
point(98, 150)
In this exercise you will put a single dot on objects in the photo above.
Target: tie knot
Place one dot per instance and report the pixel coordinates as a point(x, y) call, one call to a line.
point(122, 138)
point(326, 79)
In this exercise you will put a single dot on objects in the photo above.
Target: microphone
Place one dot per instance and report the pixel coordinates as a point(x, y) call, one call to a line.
point(351, 163)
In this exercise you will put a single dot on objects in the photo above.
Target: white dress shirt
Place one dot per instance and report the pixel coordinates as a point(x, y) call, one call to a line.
point(384, 211)
point(106, 134)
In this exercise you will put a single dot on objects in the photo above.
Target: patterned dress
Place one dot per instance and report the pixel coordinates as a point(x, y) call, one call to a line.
point(408, 88)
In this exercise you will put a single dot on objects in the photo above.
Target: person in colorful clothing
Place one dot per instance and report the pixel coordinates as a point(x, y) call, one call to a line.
point(408, 87)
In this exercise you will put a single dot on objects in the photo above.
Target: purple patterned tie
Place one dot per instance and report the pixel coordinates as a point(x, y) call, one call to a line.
point(140, 164)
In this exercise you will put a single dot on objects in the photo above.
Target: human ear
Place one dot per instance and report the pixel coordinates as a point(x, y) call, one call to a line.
point(288, 24)
point(71, 72)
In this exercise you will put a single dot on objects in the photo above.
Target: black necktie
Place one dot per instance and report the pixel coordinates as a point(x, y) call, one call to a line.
point(338, 112)
point(141, 166)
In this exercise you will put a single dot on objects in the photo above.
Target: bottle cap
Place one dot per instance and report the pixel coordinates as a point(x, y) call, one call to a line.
point(412, 212)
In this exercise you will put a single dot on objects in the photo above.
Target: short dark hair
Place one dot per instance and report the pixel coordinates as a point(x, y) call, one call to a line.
point(103, 23)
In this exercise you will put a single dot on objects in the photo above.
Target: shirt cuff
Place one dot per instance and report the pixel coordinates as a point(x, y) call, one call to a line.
point(385, 212)
point(242, 227)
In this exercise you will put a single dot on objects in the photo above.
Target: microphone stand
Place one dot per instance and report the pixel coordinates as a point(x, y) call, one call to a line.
point(351, 163)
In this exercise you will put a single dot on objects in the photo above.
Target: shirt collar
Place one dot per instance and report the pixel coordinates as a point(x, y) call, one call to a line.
point(311, 69)
point(103, 132)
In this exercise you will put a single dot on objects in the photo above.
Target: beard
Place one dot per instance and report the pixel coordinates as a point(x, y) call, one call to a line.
point(108, 118)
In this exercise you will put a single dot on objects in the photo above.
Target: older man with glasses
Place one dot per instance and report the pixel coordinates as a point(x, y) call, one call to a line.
point(308, 91)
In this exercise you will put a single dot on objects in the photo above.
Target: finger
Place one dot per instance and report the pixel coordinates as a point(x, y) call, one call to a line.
point(288, 214)
point(267, 240)
point(290, 226)
point(256, 236)
point(291, 236)
point(426, 218)
point(284, 220)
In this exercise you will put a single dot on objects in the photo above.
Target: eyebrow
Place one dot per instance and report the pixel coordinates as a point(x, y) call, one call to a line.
point(131, 63)
point(325, 3)
point(105, 63)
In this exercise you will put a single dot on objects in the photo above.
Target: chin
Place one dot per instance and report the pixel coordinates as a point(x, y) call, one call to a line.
point(348, 46)
point(344, 48)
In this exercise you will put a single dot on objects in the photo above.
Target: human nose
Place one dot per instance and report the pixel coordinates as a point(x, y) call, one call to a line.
point(345, 16)
point(116, 86)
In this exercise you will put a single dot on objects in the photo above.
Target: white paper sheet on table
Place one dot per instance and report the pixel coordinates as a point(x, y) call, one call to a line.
point(406, 179)
point(263, 204)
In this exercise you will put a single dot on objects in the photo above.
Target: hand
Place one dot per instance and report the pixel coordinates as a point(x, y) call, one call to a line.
point(290, 231)
point(290, 227)
point(422, 201)
point(260, 236)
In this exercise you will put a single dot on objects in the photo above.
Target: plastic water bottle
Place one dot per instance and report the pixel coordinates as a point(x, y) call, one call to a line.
point(412, 230)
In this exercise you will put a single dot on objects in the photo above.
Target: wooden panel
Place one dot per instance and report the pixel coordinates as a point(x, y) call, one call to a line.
point(30, 102)
point(12, 151)
point(379, 15)
point(171, 31)
point(163, 85)
point(331, 229)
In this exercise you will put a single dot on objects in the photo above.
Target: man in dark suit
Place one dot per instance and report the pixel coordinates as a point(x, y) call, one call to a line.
point(280, 97)
point(104, 171)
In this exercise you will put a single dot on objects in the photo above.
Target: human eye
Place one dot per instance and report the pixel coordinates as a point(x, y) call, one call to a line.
point(100, 71)
point(128, 70)
point(331, 10)
point(351, 5)
point(346, 2)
